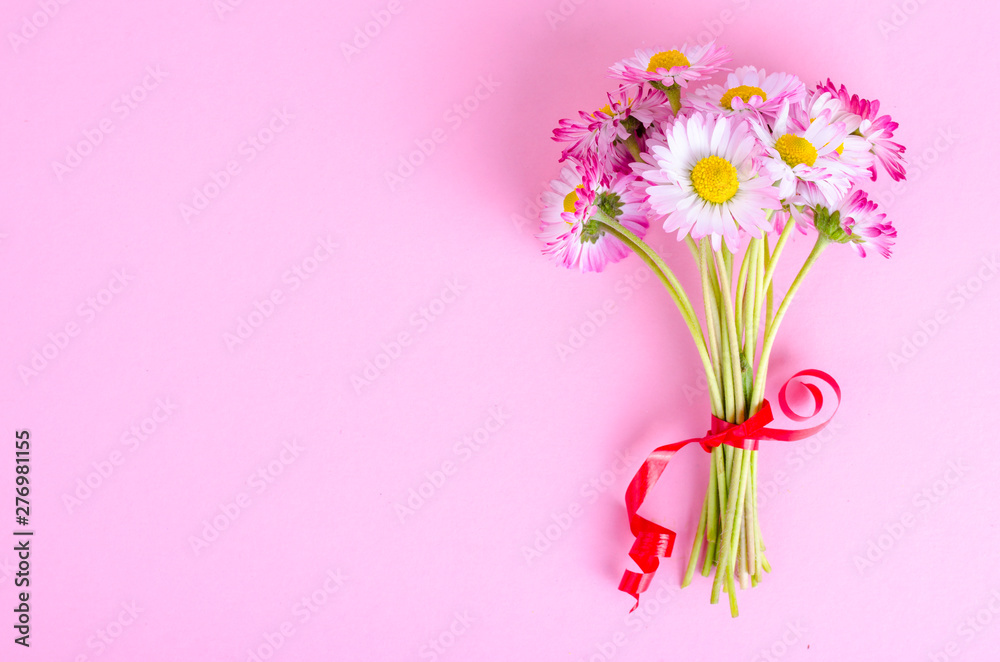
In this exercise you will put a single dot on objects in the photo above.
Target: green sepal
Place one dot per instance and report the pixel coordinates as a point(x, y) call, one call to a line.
point(829, 226)
point(746, 368)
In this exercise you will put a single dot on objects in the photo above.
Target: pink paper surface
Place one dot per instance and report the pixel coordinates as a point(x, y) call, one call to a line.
point(201, 257)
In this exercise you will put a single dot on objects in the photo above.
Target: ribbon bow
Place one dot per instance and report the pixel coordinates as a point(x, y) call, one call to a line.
point(652, 540)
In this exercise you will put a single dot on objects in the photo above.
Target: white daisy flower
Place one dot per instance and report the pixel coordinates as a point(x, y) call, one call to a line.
point(678, 66)
point(798, 151)
point(706, 180)
point(750, 89)
point(571, 234)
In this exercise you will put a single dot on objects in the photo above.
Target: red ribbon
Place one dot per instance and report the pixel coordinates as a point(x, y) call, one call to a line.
point(652, 540)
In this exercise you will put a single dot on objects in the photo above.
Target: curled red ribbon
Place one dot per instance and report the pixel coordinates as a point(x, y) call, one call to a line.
point(652, 540)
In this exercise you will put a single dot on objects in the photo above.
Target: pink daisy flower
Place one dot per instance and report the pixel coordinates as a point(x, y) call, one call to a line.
point(854, 220)
point(706, 180)
point(855, 152)
point(571, 234)
point(597, 137)
point(674, 67)
point(862, 119)
point(749, 89)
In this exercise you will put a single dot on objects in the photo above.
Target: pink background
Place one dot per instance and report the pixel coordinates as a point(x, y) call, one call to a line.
point(129, 304)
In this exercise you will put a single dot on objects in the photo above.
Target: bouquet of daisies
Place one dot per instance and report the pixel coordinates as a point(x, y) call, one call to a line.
point(734, 169)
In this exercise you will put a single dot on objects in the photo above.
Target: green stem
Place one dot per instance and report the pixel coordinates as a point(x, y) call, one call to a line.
point(696, 547)
point(786, 232)
point(750, 303)
point(712, 529)
point(752, 527)
point(633, 148)
point(722, 486)
point(692, 247)
point(711, 314)
point(744, 479)
point(741, 284)
point(749, 532)
point(758, 539)
point(726, 551)
point(758, 307)
point(734, 353)
point(765, 354)
point(741, 558)
point(727, 368)
point(710, 509)
point(738, 460)
point(768, 287)
point(674, 94)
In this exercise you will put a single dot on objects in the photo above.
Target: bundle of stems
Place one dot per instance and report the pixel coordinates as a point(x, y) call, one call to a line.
point(741, 322)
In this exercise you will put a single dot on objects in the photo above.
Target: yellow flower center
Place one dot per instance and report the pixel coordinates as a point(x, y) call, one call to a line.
point(606, 109)
point(668, 60)
point(795, 150)
point(569, 202)
point(714, 179)
point(742, 91)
